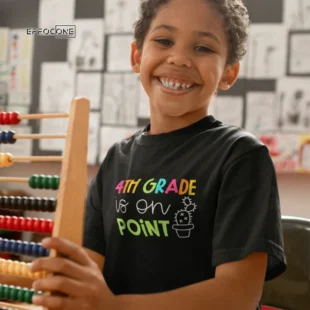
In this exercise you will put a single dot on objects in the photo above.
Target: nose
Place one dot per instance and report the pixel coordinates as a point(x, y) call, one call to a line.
point(179, 57)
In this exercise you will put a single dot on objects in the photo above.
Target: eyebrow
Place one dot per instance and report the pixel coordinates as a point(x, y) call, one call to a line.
point(199, 33)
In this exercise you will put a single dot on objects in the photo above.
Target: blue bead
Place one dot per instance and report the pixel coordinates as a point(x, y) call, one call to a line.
point(14, 247)
point(33, 248)
point(1, 245)
point(46, 252)
point(36, 249)
point(27, 248)
point(41, 251)
point(9, 137)
point(3, 137)
point(20, 247)
point(8, 246)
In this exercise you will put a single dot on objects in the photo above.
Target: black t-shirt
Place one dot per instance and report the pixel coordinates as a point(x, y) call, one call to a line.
point(166, 209)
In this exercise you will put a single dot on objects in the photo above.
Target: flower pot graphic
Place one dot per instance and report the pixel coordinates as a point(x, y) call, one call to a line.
point(183, 219)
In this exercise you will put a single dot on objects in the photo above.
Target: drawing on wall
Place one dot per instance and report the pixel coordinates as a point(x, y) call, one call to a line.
point(4, 44)
point(304, 152)
point(120, 96)
point(260, 113)
point(4, 77)
point(85, 52)
point(283, 149)
point(121, 15)
point(119, 47)
point(299, 61)
point(267, 51)
point(89, 86)
point(293, 104)
point(56, 88)
point(297, 14)
point(56, 12)
point(93, 138)
point(110, 135)
point(234, 104)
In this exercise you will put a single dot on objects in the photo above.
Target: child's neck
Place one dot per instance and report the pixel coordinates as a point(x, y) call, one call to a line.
point(164, 124)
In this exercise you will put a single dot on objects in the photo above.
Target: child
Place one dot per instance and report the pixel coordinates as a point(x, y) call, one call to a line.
point(184, 214)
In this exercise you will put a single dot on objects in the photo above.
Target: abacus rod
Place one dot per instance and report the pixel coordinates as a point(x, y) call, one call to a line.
point(20, 306)
point(39, 136)
point(38, 158)
point(41, 116)
point(12, 179)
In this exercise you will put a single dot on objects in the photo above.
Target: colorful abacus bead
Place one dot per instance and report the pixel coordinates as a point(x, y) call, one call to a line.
point(16, 293)
point(9, 118)
point(22, 247)
point(6, 160)
point(28, 203)
point(44, 181)
point(7, 137)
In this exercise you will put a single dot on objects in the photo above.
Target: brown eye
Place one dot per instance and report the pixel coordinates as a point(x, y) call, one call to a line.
point(164, 42)
point(203, 49)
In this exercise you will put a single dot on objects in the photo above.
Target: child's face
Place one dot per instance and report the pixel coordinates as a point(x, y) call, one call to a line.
point(186, 48)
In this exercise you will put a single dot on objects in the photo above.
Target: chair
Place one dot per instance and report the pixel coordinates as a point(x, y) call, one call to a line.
point(291, 291)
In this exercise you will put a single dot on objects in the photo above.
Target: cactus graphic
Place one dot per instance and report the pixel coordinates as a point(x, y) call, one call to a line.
point(183, 218)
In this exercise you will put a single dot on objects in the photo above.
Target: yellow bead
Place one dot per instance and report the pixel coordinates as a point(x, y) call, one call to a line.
point(5, 266)
point(11, 268)
point(24, 270)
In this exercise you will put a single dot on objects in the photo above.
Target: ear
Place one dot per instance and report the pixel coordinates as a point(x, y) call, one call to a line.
point(229, 77)
point(135, 58)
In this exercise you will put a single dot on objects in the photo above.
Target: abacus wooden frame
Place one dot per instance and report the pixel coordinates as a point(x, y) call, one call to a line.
point(73, 183)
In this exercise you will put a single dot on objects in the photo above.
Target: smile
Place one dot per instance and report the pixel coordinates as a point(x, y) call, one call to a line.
point(176, 85)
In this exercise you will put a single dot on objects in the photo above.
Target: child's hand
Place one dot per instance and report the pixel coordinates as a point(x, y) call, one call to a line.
point(78, 277)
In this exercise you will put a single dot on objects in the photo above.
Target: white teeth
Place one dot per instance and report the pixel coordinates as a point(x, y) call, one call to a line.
point(174, 86)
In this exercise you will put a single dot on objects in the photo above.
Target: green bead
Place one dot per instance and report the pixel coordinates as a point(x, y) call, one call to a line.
point(46, 181)
point(55, 182)
point(13, 293)
point(38, 181)
point(21, 294)
point(28, 296)
point(32, 181)
point(1, 291)
point(8, 293)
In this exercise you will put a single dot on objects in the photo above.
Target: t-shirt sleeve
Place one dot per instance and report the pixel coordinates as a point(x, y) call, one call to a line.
point(93, 238)
point(248, 217)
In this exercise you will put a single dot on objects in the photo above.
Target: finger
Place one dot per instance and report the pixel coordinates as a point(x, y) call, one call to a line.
point(68, 249)
point(61, 266)
point(62, 285)
point(55, 302)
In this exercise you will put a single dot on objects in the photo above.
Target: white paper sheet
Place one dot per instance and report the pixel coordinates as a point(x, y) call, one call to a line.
point(22, 147)
point(56, 12)
point(260, 112)
point(283, 149)
point(300, 53)
point(119, 47)
point(267, 51)
point(89, 86)
point(93, 138)
point(227, 109)
point(121, 15)
point(297, 14)
point(305, 156)
point(144, 103)
point(85, 52)
point(120, 99)
point(56, 88)
point(53, 126)
point(4, 44)
point(110, 135)
point(293, 104)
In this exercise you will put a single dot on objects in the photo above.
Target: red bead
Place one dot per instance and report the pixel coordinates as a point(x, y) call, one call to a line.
point(22, 223)
point(6, 118)
point(29, 224)
point(37, 225)
point(16, 223)
point(1, 118)
point(9, 223)
point(2, 221)
point(14, 120)
point(44, 226)
point(50, 226)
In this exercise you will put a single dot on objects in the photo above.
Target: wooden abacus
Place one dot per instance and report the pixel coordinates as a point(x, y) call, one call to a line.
point(68, 208)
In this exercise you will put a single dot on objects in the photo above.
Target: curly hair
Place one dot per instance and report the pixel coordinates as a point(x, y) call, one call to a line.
point(234, 13)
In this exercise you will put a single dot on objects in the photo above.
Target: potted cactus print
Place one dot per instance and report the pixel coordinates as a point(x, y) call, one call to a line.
point(183, 219)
